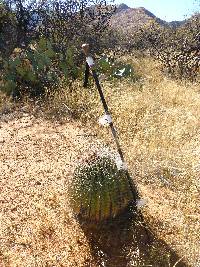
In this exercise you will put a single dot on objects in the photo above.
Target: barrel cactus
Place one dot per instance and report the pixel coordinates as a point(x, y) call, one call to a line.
point(100, 191)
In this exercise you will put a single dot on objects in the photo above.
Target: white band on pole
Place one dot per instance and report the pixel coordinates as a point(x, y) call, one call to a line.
point(90, 61)
point(121, 165)
point(105, 120)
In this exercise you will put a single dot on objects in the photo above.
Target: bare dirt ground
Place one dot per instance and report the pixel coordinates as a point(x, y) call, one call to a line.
point(37, 227)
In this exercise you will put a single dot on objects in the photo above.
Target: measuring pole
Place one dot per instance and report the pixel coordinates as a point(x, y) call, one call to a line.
point(90, 66)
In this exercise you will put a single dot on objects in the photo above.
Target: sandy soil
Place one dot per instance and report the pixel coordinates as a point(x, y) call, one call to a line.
point(37, 227)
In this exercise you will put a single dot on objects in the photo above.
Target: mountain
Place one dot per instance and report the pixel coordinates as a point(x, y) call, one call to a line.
point(129, 19)
point(122, 7)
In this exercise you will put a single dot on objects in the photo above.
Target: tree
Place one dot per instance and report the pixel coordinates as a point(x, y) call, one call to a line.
point(49, 35)
point(8, 30)
point(63, 22)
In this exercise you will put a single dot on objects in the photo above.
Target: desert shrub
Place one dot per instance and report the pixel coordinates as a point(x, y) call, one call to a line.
point(40, 69)
point(180, 49)
point(49, 36)
point(113, 68)
point(69, 23)
point(176, 46)
point(37, 69)
point(7, 31)
point(63, 23)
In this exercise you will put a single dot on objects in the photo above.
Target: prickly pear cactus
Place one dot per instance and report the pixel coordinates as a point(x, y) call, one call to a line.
point(100, 191)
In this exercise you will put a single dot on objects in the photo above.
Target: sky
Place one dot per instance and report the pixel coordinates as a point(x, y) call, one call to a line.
point(168, 10)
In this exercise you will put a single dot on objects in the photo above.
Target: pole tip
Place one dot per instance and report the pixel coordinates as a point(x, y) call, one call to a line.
point(86, 48)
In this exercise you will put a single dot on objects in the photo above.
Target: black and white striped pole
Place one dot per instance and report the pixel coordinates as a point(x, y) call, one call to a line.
point(90, 64)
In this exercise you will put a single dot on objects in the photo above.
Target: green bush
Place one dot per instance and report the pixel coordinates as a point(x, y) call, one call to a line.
point(8, 31)
point(115, 69)
point(37, 68)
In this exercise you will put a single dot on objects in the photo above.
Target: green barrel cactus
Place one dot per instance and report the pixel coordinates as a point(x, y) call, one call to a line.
point(100, 191)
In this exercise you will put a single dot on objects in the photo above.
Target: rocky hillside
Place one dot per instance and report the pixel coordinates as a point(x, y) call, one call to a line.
point(128, 19)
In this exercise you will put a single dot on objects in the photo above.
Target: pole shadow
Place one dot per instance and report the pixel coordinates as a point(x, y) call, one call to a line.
point(127, 241)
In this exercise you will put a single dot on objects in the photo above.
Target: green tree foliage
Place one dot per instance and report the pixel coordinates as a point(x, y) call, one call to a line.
point(115, 69)
point(73, 22)
point(62, 22)
point(55, 29)
point(36, 69)
point(7, 31)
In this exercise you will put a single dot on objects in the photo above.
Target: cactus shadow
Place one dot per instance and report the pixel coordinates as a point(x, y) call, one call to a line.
point(127, 241)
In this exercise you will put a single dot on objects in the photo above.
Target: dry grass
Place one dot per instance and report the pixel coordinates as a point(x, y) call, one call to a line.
point(158, 123)
point(37, 226)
